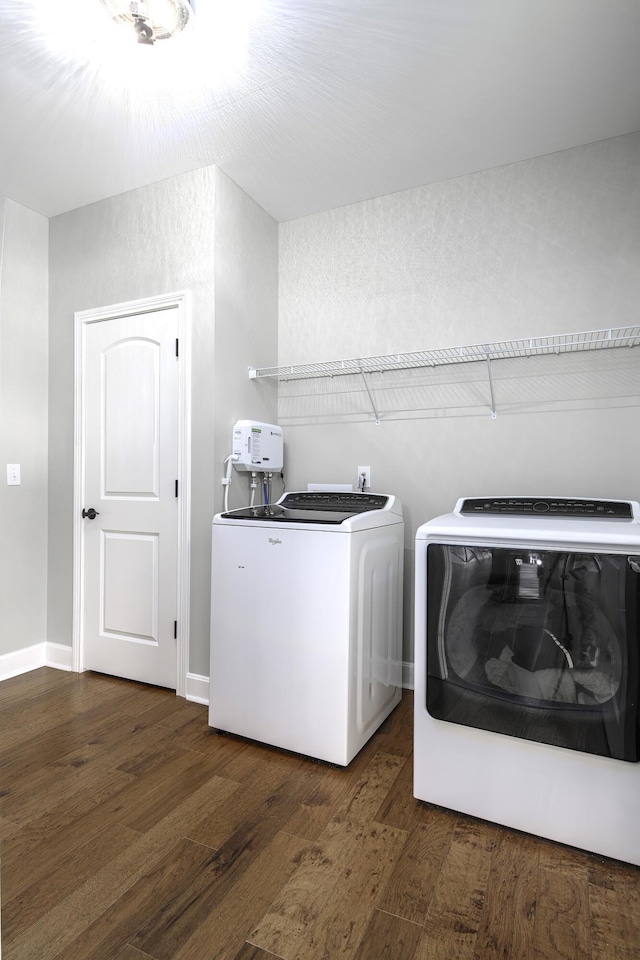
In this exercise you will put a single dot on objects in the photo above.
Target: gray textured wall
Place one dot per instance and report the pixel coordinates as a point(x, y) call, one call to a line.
point(159, 239)
point(546, 246)
point(23, 426)
point(539, 247)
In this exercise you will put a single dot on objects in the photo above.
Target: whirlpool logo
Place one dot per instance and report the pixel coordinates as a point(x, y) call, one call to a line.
point(274, 540)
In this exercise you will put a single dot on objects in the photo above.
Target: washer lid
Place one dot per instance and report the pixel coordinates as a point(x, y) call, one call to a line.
point(313, 506)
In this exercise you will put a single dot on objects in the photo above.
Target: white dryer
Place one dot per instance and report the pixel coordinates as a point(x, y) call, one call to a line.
point(527, 667)
point(306, 621)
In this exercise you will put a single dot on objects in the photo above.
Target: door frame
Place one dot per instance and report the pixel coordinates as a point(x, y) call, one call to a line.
point(82, 318)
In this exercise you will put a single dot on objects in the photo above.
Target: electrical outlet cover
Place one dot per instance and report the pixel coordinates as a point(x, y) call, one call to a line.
point(367, 476)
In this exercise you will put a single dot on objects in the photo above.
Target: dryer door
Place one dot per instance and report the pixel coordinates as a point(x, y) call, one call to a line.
point(536, 644)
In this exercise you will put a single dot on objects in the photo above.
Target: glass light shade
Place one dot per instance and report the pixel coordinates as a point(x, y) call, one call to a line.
point(165, 17)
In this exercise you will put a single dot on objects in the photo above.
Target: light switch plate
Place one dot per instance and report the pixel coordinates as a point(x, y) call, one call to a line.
point(13, 474)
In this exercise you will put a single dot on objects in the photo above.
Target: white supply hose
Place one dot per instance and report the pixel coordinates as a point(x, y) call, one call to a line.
point(226, 480)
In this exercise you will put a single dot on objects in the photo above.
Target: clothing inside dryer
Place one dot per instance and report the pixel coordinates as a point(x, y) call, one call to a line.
point(535, 626)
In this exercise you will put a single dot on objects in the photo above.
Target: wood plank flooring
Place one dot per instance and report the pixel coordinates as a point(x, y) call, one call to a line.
point(131, 831)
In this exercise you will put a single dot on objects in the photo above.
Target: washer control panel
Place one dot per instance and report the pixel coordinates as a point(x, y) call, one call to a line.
point(337, 502)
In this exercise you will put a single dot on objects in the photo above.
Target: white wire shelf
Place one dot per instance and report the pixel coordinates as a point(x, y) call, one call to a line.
point(486, 352)
point(526, 347)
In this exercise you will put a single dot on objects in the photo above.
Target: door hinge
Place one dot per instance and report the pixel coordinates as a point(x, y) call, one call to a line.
point(177, 348)
point(175, 629)
point(176, 488)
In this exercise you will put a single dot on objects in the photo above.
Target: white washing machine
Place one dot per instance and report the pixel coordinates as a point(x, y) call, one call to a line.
point(527, 667)
point(306, 621)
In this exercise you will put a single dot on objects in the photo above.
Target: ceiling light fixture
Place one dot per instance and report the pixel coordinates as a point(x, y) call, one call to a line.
point(151, 19)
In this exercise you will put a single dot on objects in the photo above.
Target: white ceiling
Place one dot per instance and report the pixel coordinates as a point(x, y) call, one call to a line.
point(307, 104)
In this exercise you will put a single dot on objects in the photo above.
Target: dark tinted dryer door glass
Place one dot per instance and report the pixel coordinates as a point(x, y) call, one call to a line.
point(536, 644)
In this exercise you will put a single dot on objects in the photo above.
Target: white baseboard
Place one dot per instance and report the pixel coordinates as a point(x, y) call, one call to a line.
point(407, 675)
point(31, 658)
point(197, 688)
point(58, 656)
point(22, 661)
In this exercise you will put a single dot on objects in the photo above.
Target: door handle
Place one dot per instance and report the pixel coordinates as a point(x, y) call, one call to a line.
point(90, 513)
point(634, 563)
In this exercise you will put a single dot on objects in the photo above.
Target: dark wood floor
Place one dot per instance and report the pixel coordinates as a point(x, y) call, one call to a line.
point(131, 831)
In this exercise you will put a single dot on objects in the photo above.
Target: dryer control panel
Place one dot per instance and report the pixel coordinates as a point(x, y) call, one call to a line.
point(547, 506)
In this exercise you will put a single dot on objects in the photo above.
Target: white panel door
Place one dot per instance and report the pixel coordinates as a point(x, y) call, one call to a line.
point(130, 547)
